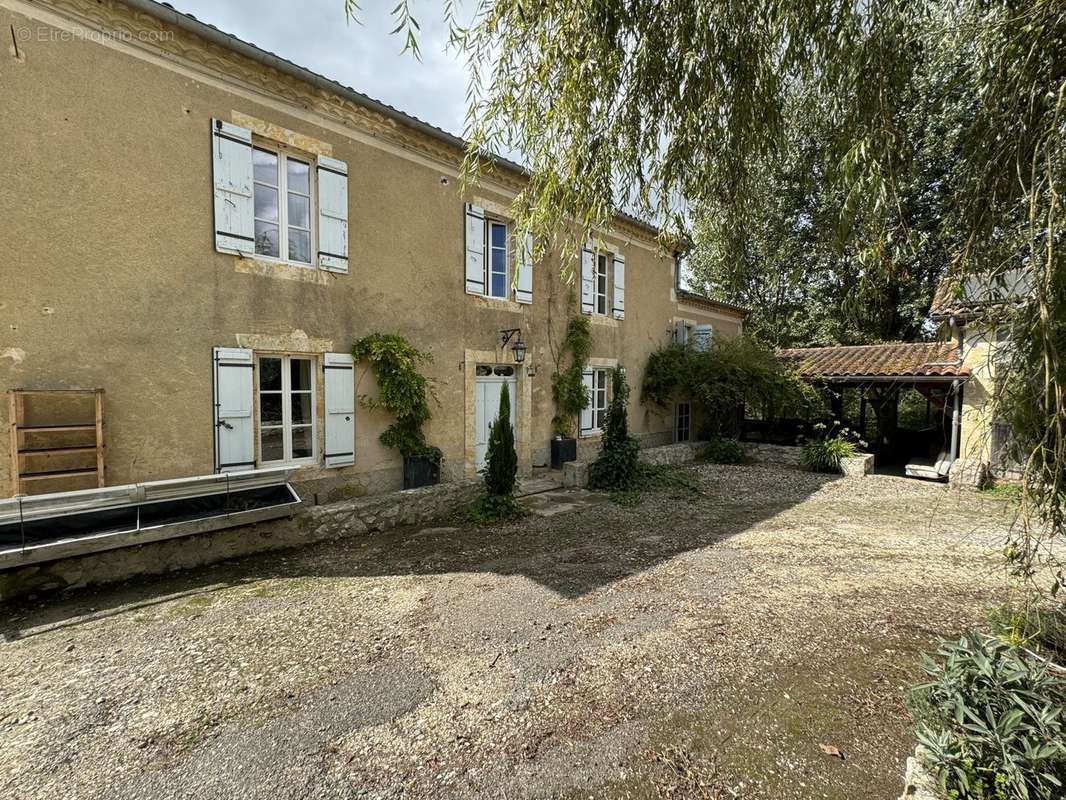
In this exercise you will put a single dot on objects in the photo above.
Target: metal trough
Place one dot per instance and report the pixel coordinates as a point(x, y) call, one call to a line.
point(50, 526)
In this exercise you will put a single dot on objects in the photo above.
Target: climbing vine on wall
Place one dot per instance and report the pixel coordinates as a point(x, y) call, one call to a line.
point(404, 391)
point(568, 390)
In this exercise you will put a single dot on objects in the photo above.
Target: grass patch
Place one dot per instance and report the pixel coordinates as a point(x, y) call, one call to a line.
point(1003, 490)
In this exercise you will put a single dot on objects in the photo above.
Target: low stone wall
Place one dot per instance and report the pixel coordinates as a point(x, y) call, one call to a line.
point(310, 524)
point(576, 473)
point(772, 453)
point(680, 453)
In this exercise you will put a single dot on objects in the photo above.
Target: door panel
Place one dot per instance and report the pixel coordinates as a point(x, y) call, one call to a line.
point(487, 406)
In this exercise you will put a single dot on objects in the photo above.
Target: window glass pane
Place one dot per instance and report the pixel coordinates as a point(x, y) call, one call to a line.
point(273, 444)
point(299, 176)
point(266, 202)
point(302, 442)
point(270, 409)
point(301, 409)
point(499, 285)
point(299, 245)
point(499, 236)
point(265, 166)
point(270, 373)
point(266, 238)
point(299, 374)
point(299, 211)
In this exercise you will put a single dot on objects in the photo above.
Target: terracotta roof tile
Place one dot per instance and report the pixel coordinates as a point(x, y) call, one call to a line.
point(893, 359)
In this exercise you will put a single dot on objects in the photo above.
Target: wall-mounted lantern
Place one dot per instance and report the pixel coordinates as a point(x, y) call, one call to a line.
point(519, 347)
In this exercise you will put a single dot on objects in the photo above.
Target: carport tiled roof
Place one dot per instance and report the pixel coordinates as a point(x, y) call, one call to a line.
point(890, 360)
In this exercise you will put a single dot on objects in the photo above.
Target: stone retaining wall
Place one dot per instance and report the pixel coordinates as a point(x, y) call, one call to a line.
point(772, 453)
point(310, 524)
point(576, 473)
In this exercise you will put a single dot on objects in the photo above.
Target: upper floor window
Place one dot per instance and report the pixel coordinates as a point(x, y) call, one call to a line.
point(496, 264)
point(602, 282)
point(496, 280)
point(282, 206)
point(278, 204)
point(600, 291)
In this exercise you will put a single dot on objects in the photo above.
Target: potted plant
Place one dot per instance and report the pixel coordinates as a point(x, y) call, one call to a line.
point(568, 389)
point(405, 393)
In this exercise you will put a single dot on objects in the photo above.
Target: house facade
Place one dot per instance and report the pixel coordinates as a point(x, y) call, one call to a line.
point(201, 230)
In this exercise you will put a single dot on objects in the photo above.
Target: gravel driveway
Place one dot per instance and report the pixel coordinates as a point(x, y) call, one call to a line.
point(685, 647)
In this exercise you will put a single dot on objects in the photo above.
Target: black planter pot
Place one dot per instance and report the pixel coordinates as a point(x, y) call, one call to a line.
point(563, 450)
point(420, 471)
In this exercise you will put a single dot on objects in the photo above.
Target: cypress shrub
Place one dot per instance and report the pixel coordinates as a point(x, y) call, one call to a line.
point(501, 463)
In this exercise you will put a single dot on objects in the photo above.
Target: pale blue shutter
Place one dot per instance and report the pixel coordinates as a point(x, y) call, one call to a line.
point(619, 304)
point(474, 246)
point(340, 409)
point(231, 160)
point(524, 285)
point(588, 280)
point(332, 214)
point(234, 425)
point(702, 336)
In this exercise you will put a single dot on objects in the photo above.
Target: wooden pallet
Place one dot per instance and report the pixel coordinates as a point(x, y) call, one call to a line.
point(57, 440)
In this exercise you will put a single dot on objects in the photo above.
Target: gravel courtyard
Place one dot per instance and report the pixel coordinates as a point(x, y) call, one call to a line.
point(686, 647)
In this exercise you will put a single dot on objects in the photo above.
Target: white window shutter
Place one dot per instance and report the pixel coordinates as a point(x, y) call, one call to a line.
point(475, 249)
point(332, 214)
point(234, 426)
point(231, 160)
point(619, 287)
point(523, 292)
point(586, 413)
point(588, 280)
point(340, 409)
point(702, 335)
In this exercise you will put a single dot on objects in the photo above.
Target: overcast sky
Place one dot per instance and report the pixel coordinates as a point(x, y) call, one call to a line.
point(315, 34)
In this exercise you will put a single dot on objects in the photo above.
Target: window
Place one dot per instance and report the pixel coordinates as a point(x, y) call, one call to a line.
point(282, 196)
point(598, 398)
point(496, 266)
point(682, 422)
point(682, 332)
point(600, 288)
point(286, 409)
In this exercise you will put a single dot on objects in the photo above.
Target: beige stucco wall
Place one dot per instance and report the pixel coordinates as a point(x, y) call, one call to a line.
point(111, 279)
point(977, 395)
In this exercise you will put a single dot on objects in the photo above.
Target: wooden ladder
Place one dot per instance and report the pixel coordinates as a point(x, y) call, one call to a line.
point(59, 444)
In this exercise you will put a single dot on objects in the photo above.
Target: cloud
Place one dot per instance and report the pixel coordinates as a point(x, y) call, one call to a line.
point(363, 55)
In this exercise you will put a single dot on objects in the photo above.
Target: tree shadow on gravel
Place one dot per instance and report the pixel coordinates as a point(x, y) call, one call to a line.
point(571, 553)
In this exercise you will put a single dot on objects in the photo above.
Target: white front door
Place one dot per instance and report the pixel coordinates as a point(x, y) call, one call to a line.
point(490, 383)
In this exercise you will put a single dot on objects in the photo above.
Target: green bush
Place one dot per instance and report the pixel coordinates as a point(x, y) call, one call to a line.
point(722, 380)
point(826, 455)
point(615, 469)
point(723, 451)
point(500, 472)
point(501, 462)
point(991, 721)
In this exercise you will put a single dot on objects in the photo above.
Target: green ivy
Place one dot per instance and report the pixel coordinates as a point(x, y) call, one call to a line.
point(722, 380)
point(404, 392)
point(568, 389)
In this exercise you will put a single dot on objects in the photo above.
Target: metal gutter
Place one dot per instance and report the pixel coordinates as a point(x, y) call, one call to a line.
point(187, 22)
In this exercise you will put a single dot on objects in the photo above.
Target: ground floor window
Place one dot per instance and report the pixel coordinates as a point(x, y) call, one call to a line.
point(682, 422)
point(598, 398)
point(286, 409)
